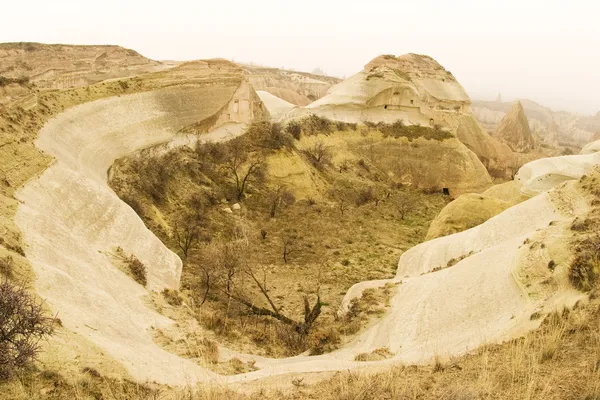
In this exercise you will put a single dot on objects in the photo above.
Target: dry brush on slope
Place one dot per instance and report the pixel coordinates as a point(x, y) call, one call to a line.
point(235, 298)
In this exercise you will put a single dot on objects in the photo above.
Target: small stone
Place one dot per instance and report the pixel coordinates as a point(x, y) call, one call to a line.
point(236, 207)
point(228, 210)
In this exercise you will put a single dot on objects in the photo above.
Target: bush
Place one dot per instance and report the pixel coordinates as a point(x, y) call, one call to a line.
point(584, 272)
point(398, 129)
point(22, 325)
point(323, 340)
point(294, 128)
point(138, 270)
point(314, 124)
point(269, 135)
point(172, 297)
point(365, 196)
point(6, 266)
point(319, 154)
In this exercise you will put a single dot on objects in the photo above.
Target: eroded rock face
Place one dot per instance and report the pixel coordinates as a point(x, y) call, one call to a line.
point(298, 88)
point(417, 90)
point(72, 222)
point(514, 130)
point(59, 66)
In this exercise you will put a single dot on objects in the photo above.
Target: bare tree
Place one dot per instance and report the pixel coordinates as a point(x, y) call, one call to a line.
point(243, 168)
point(288, 243)
point(187, 232)
point(310, 313)
point(23, 324)
point(405, 205)
point(319, 153)
point(234, 265)
point(280, 196)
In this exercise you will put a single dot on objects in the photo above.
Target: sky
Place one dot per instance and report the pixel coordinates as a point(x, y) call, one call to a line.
point(547, 51)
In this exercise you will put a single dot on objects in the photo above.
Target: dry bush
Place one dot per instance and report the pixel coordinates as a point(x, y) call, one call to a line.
point(399, 129)
point(6, 266)
point(23, 324)
point(264, 134)
point(323, 340)
point(172, 297)
point(319, 154)
point(294, 128)
point(379, 354)
point(584, 272)
point(137, 269)
point(315, 124)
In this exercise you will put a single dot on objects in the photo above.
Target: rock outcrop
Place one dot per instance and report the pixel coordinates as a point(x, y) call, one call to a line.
point(417, 90)
point(465, 212)
point(72, 222)
point(572, 130)
point(298, 88)
point(514, 130)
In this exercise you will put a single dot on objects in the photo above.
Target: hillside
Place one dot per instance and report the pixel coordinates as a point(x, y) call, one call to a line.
point(58, 66)
point(196, 231)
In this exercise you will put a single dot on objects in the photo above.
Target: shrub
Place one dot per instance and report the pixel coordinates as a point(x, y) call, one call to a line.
point(399, 129)
point(6, 266)
point(314, 124)
point(22, 325)
point(172, 297)
point(364, 196)
point(137, 269)
point(269, 135)
point(323, 340)
point(584, 272)
point(319, 154)
point(294, 128)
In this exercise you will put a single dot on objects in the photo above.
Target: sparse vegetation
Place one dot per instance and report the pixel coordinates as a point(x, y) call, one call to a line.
point(23, 324)
point(584, 271)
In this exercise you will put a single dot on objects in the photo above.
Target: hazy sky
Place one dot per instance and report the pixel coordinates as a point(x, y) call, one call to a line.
point(548, 50)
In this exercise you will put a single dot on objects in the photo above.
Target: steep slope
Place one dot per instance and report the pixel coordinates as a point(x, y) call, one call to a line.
point(514, 130)
point(72, 222)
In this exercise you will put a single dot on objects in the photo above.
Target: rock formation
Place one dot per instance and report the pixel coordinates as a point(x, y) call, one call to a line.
point(416, 89)
point(572, 130)
point(298, 88)
point(514, 130)
point(465, 212)
point(72, 222)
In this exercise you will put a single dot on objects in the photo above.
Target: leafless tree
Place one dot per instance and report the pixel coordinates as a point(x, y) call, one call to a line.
point(243, 167)
point(23, 324)
point(280, 196)
point(311, 313)
point(405, 205)
point(187, 232)
point(235, 265)
point(319, 153)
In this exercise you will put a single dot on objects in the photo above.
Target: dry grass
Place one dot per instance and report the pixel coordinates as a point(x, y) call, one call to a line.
point(322, 243)
point(561, 360)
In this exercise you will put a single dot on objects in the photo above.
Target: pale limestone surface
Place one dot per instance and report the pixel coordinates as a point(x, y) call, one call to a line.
point(72, 222)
